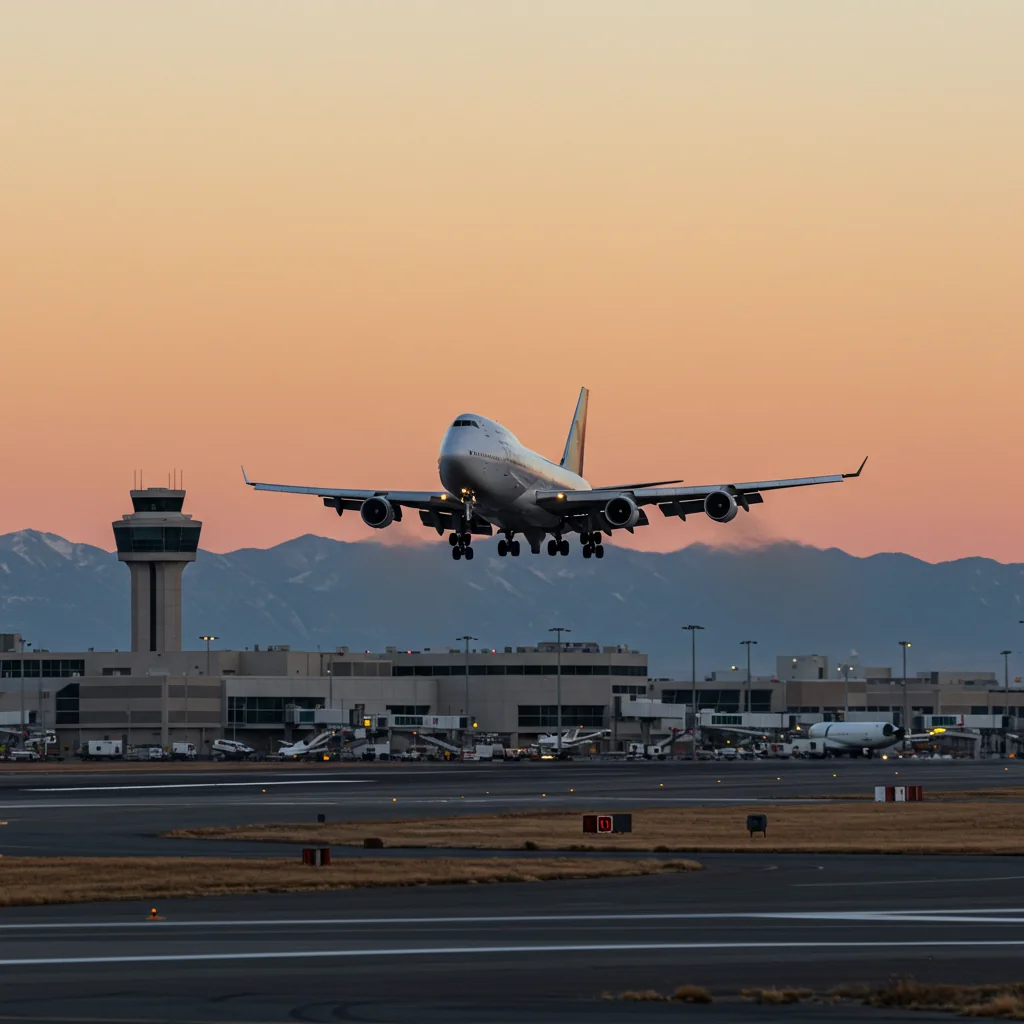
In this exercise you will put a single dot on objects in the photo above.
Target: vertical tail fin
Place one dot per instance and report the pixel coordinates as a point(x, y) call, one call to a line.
point(572, 457)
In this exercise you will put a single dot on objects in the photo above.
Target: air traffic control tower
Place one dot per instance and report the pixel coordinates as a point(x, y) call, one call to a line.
point(156, 542)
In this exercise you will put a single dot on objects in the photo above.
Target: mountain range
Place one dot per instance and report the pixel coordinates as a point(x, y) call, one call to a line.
point(314, 591)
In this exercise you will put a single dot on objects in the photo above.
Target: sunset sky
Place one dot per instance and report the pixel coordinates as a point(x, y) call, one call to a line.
point(772, 238)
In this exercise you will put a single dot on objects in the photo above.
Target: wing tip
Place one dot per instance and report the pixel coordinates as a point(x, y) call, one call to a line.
point(246, 478)
point(860, 468)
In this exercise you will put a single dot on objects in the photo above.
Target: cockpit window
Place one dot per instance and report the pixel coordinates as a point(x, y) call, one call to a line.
point(466, 423)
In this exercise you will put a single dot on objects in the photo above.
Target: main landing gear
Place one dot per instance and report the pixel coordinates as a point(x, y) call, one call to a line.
point(557, 546)
point(461, 546)
point(592, 545)
point(508, 546)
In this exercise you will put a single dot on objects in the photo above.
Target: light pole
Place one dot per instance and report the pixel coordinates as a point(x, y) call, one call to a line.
point(693, 683)
point(558, 685)
point(1006, 681)
point(747, 644)
point(906, 712)
point(208, 640)
point(467, 638)
point(845, 669)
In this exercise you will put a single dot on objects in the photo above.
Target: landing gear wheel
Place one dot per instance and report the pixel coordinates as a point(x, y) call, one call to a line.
point(456, 553)
point(453, 539)
point(563, 547)
point(552, 547)
point(502, 549)
point(514, 548)
point(586, 538)
point(469, 554)
point(587, 550)
point(599, 551)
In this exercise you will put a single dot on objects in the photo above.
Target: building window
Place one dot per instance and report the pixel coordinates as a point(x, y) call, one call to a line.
point(636, 690)
point(409, 709)
point(545, 716)
point(66, 700)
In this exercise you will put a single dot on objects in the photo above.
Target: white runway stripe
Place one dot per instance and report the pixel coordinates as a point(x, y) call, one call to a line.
point(610, 947)
point(827, 916)
point(198, 785)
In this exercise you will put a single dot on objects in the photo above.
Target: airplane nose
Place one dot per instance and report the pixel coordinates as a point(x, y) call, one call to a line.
point(455, 473)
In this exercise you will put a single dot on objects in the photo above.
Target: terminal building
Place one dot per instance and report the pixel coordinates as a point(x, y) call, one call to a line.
point(157, 693)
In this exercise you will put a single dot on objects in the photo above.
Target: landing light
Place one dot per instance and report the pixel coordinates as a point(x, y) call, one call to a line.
point(561, 496)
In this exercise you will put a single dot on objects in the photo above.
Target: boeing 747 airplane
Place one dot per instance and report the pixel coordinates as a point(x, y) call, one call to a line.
point(492, 482)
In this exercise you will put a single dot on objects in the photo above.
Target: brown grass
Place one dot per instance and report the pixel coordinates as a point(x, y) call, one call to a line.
point(1003, 1002)
point(683, 994)
point(963, 827)
point(691, 994)
point(776, 996)
point(646, 996)
point(30, 881)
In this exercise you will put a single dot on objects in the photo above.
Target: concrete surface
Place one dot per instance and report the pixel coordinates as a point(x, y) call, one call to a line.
point(122, 812)
point(538, 952)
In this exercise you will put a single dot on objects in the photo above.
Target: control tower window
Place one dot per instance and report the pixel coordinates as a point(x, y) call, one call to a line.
point(162, 503)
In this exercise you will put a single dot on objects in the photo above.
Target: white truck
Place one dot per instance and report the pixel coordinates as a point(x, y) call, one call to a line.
point(183, 751)
point(96, 749)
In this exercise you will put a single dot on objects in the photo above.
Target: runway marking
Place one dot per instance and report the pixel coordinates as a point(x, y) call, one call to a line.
point(827, 916)
point(909, 881)
point(610, 947)
point(200, 785)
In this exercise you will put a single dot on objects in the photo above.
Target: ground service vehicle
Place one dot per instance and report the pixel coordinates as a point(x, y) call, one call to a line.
point(230, 750)
point(111, 749)
point(183, 751)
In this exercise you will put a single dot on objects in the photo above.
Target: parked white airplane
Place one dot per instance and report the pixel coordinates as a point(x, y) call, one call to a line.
point(853, 737)
point(491, 481)
point(300, 748)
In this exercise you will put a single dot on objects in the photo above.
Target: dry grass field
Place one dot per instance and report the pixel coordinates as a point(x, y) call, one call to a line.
point(31, 881)
point(957, 827)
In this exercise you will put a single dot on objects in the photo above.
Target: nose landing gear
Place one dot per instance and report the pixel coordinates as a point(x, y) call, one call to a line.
point(461, 546)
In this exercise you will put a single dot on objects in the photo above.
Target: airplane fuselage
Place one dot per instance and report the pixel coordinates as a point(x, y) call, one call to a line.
point(484, 462)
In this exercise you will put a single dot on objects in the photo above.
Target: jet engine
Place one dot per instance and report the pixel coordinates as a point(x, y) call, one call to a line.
point(377, 512)
point(621, 512)
point(720, 506)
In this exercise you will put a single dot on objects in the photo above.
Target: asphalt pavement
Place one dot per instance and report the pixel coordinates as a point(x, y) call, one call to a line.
point(515, 952)
point(494, 954)
point(122, 812)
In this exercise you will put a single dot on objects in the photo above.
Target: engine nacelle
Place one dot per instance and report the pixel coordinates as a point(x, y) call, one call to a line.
point(720, 506)
point(377, 512)
point(622, 512)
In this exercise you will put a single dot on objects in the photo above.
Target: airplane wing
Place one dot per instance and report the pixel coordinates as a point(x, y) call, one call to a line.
point(435, 507)
point(678, 501)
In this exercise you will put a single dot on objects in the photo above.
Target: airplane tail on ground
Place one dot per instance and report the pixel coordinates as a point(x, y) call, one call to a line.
point(572, 457)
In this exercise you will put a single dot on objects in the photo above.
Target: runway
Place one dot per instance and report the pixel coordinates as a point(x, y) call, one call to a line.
point(122, 812)
point(507, 953)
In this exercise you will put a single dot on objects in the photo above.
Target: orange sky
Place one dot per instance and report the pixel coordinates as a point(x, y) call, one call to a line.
point(771, 238)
